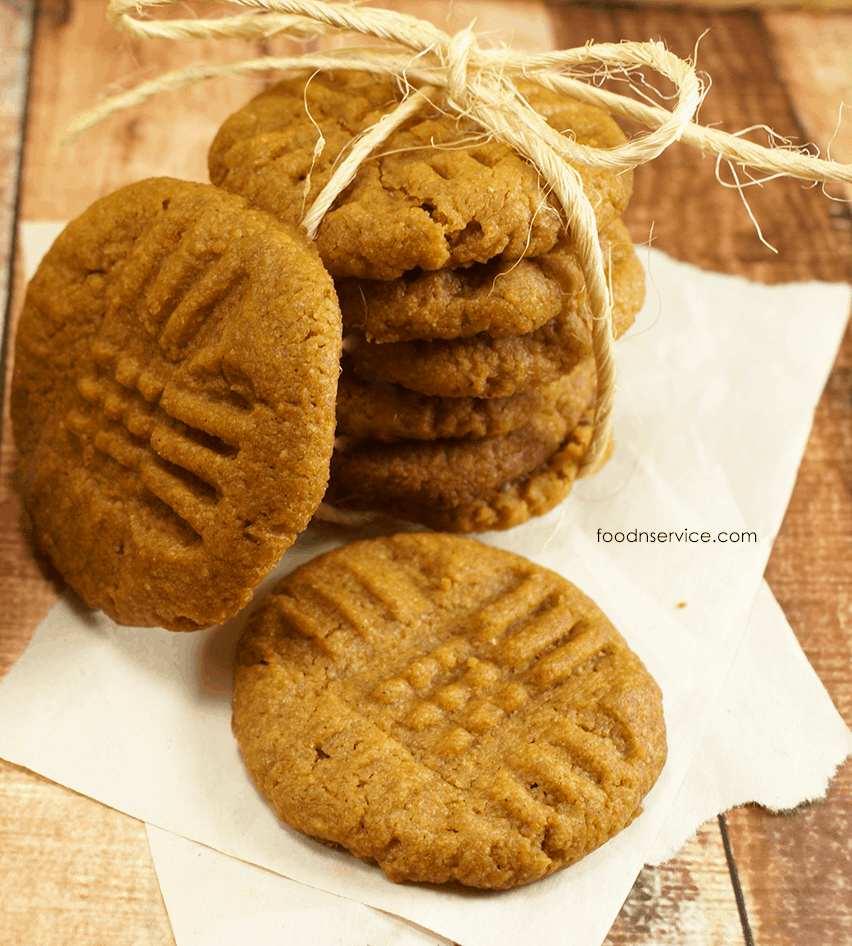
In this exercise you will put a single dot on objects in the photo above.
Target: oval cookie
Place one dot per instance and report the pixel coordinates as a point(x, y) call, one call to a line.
point(173, 400)
point(449, 710)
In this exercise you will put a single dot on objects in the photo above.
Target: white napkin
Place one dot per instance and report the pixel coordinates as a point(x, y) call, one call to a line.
point(139, 718)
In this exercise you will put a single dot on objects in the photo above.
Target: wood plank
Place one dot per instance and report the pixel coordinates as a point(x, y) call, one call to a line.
point(15, 565)
point(74, 872)
point(689, 901)
point(16, 23)
point(167, 136)
point(675, 195)
point(814, 56)
point(795, 868)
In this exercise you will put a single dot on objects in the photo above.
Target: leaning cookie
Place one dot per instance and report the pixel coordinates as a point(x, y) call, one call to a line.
point(445, 709)
point(173, 400)
point(439, 192)
point(485, 366)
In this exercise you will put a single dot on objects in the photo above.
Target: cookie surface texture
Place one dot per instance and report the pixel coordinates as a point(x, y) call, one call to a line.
point(451, 711)
point(517, 501)
point(438, 192)
point(173, 400)
point(498, 298)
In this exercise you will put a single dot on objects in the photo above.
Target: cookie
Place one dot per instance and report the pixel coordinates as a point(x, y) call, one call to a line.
point(439, 192)
point(445, 709)
point(516, 502)
point(370, 409)
point(511, 503)
point(497, 298)
point(445, 473)
point(484, 366)
point(173, 400)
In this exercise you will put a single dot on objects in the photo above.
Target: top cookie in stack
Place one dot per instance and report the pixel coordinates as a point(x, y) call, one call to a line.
point(466, 396)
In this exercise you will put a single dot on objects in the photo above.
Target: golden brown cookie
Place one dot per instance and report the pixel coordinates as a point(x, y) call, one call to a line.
point(497, 298)
point(173, 400)
point(518, 501)
point(483, 366)
point(511, 503)
point(445, 473)
point(370, 409)
point(449, 710)
point(437, 193)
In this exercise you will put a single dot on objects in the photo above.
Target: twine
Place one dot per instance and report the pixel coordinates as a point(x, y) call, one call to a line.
point(478, 84)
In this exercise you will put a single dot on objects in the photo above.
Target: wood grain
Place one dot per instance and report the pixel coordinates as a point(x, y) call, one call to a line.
point(792, 867)
point(24, 594)
point(795, 869)
point(813, 55)
point(688, 901)
point(74, 872)
point(15, 37)
point(676, 196)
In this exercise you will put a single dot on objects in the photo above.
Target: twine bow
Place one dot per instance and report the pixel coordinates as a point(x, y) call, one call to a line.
point(479, 84)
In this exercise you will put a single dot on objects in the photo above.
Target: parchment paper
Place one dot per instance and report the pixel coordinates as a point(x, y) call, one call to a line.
point(759, 746)
point(718, 382)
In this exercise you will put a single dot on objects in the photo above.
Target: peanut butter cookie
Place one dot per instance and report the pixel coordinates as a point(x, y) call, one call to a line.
point(446, 709)
point(369, 409)
point(496, 298)
point(515, 502)
point(445, 473)
point(485, 366)
point(438, 193)
point(173, 400)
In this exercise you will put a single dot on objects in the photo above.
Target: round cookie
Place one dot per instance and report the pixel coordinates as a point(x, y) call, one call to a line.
point(497, 298)
point(446, 709)
point(437, 193)
point(370, 409)
point(445, 473)
point(483, 366)
point(515, 502)
point(511, 504)
point(173, 400)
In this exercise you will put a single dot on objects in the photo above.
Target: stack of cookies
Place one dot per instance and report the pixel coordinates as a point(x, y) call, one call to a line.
point(467, 388)
point(180, 393)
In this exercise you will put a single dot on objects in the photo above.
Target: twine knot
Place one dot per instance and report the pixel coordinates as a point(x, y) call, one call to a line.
point(457, 59)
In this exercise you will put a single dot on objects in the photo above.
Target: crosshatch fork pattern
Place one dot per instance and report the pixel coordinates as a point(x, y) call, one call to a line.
point(427, 690)
point(512, 651)
point(498, 671)
point(179, 442)
point(174, 407)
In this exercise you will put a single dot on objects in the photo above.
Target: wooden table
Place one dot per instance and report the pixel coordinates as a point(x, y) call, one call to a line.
point(72, 870)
